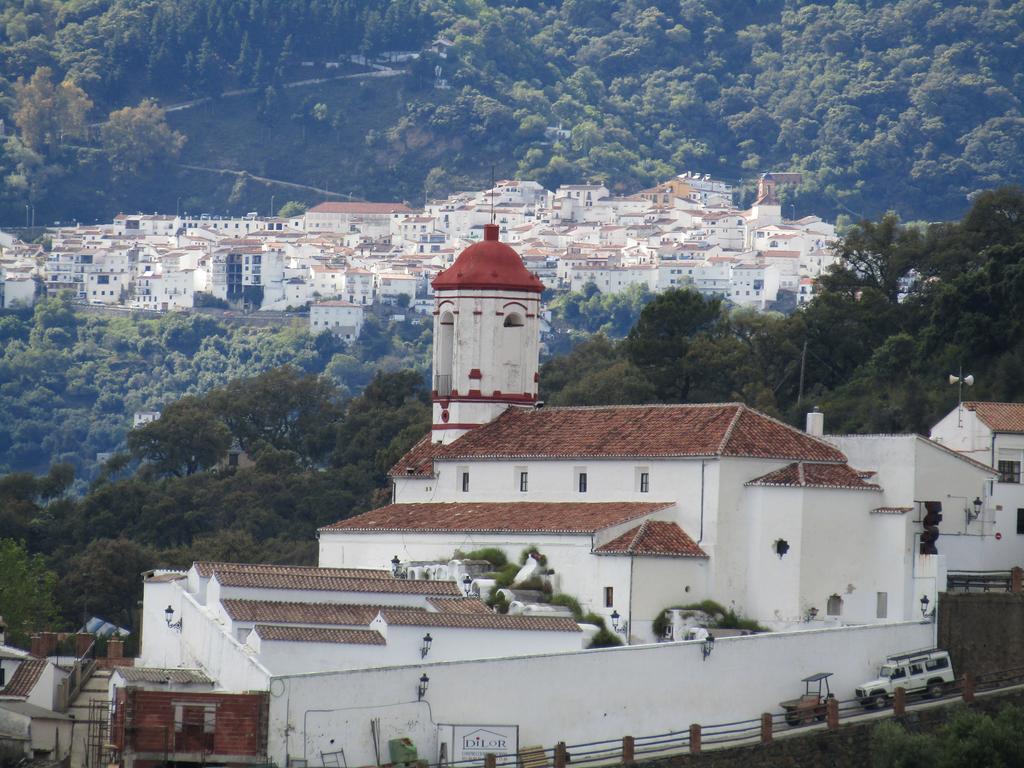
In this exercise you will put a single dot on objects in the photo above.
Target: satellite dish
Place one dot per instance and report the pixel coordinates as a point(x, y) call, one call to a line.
point(969, 380)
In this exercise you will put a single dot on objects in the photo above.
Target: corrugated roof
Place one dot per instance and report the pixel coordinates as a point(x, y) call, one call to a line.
point(999, 417)
point(653, 537)
point(164, 675)
point(519, 517)
point(319, 635)
point(804, 475)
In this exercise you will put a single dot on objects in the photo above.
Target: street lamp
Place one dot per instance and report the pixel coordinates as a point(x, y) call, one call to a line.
point(924, 605)
point(707, 646)
point(975, 513)
point(467, 584)
point(422, 690)
point(169, 616)
point(425, 648)
point(395, 563)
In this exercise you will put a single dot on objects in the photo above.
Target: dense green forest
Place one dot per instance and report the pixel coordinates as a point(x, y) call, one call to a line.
point(70, 383)
point(912, 105)
point(913, 304)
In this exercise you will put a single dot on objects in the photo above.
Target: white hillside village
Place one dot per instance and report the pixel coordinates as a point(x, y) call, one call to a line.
point(836, 546)
point(684, 232)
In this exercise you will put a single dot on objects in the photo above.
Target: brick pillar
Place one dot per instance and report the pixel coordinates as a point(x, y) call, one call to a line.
point(766, 728)
point(489, 760)
point(560, 760)
point(899, 702)
point(832, 713)
point(115, 648)
point(82, 643)
point(695, 739)
point(968, 692)
point(628, 750)
point(1016, 574)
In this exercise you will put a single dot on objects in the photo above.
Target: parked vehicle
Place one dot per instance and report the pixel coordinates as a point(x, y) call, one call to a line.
point(810, 706)
point(927, 672)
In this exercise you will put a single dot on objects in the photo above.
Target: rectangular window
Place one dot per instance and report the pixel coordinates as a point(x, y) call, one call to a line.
point(1020, 521)
point(882, 605)
point(465, 482)
point(582, 482)
point(1009, 472)
point(645, 482)
point(523, 481)
point(609, 597)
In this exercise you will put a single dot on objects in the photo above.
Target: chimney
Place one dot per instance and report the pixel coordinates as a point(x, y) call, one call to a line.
point(816, 422)
point(3, 631)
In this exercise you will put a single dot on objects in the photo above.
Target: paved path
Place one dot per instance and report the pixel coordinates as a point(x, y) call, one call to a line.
point(378, 72)
point(279, 182)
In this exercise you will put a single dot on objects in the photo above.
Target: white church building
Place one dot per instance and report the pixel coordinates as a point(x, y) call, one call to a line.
point(642, 508)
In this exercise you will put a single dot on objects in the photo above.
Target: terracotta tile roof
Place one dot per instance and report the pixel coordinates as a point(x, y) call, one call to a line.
point(803, 475)
point(459, 605)
point(360, 208)
point(418, 460)
point(402, 617)
point(163, 675)
point(891, 510)
point(320, 635)
point(206, 569)
point(717, 429)
point(24, 678)
point(653, 537)
point(282, 612)
point(999, 417)
point(520, 517)
point(332, 584)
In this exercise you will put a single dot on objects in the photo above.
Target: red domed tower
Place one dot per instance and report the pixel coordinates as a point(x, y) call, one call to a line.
point(486, 337)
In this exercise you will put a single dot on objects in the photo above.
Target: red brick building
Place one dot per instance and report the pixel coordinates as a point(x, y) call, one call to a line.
point(184, 726)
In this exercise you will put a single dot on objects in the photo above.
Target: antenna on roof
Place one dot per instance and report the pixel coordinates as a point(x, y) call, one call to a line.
point(492, 193)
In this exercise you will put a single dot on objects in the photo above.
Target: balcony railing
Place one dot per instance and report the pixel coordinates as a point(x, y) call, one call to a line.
point(443, 384)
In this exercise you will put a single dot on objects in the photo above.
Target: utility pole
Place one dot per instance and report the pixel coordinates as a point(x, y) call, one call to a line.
point(803, 361)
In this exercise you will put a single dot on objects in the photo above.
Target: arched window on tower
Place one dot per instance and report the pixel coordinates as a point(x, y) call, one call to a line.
point(445, 354)
point(514, 345)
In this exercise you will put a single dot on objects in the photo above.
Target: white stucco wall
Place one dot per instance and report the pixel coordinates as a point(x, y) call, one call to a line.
point(203, 645)
point(911, 469)
point(637, 690)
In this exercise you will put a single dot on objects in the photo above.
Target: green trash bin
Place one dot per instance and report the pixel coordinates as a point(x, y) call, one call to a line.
point(402, 751)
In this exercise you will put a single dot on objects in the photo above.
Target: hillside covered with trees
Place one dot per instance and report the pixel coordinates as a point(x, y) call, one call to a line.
point(911, 105)
point(70, 383)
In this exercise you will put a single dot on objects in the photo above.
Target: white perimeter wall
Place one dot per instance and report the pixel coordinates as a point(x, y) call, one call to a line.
point(580, 697)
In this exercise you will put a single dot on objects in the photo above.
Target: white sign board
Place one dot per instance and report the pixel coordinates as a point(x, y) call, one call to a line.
point(469, 744)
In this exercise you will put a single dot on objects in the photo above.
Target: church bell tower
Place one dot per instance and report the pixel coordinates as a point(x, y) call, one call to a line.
point(486, 337)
